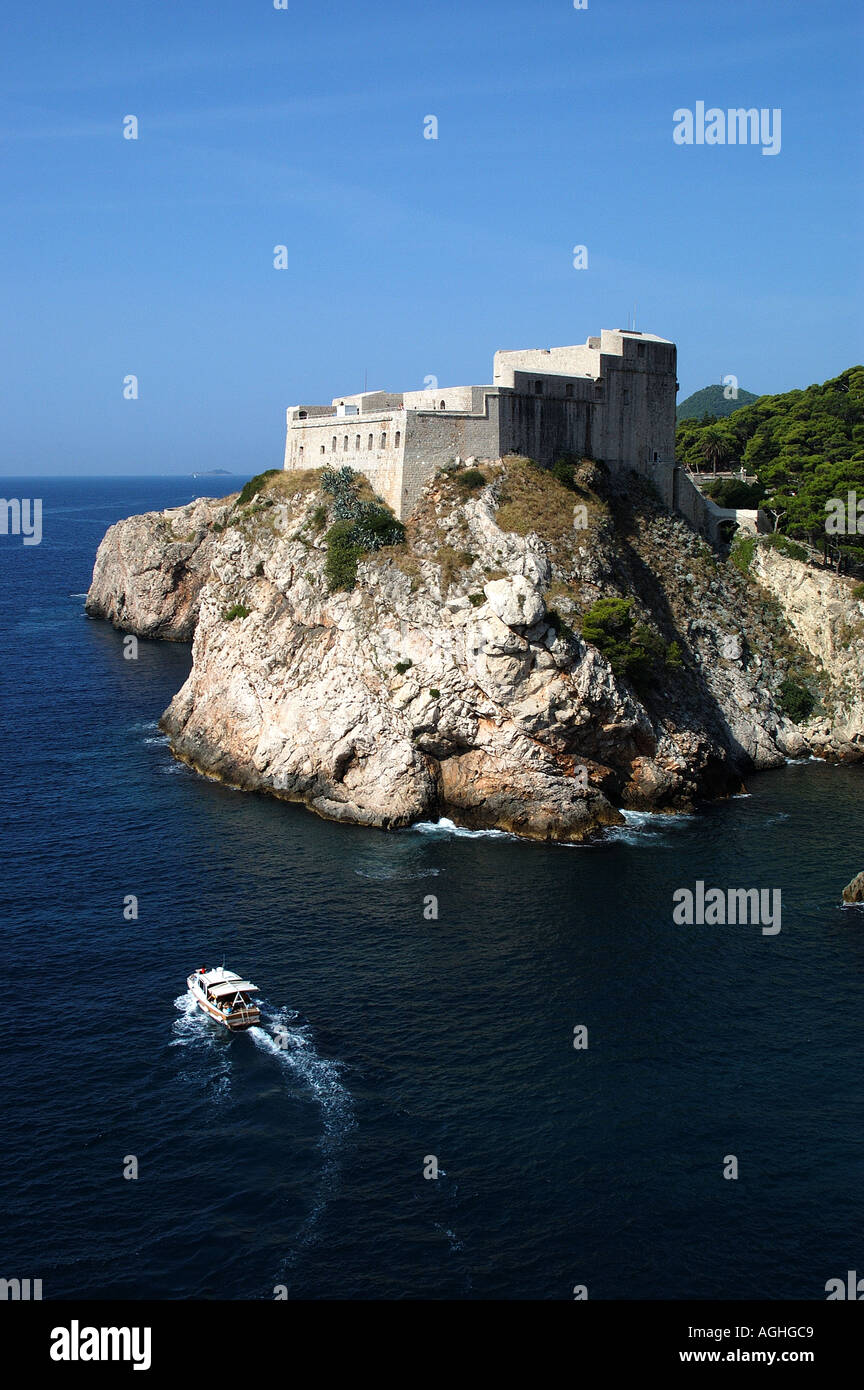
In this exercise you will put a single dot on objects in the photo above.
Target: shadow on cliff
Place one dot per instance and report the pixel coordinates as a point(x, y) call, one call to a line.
point(685, 687)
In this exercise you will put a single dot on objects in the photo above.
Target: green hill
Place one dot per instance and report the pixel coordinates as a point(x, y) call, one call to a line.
point(711, 401)
point(804, 447)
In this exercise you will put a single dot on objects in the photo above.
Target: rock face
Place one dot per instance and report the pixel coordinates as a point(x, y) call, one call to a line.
point(826, 619)
point(150, 570)
point(854, 891)
point(451, 680)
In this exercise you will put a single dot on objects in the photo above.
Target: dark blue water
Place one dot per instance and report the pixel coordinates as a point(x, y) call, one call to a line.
point(303, 1165)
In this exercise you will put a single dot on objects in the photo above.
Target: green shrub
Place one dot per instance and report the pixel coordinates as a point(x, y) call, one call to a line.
point(477, 600)
point(636, 652)
point(237, 610)
point(563, 470)
point(319, 518)
point(403, 666)
point(858, 591)
point(436, 694)
point(376, 526)
point(777, 541)
point(795, 700)
point(471, 479)
point(340, 567)
point(554, 619)
point(358, 527)
point(743, 550)
point(255, 485)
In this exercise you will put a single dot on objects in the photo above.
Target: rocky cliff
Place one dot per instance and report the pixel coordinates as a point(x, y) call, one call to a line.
point(454, 678)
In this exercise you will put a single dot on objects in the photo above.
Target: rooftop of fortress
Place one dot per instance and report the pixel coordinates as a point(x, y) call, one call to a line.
point(615, 349)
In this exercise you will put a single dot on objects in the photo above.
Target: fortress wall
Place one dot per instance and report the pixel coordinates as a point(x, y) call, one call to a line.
point(545, 427)
point(703, 514)
point(579, 360)
point(635, 419)
point(454, 398)
point(381, 465)
point(612, 399)
point(370, 402)
point(436, 436)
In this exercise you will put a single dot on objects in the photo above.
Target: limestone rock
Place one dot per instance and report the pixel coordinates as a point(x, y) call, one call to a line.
point(854, 891)
point(412, 697)
point(515, 601)
point(150, 570)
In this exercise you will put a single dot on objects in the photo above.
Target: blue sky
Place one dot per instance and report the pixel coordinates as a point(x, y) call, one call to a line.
point(407, 257)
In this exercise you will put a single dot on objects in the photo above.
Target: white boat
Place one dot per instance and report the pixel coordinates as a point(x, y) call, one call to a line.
point(224, 995)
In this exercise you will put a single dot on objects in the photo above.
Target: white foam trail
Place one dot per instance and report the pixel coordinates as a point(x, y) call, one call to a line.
point(193, 1030)
point(386, 875)
point(291, 1043)
point(444, 826)
point(455, 1243)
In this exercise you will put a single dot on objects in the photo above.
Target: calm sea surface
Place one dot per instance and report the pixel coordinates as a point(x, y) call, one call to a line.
point(406, 1038)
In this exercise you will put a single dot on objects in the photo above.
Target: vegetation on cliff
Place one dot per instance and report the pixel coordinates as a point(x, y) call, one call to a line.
point(528, 653)
point(805, 448)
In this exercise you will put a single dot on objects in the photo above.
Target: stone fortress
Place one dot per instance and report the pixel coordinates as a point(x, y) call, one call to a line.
point(611, 398)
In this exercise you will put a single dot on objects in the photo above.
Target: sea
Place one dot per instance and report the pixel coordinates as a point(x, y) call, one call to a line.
point(486, 1068)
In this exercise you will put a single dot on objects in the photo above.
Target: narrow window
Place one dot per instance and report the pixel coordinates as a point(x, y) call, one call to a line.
point(369, 445)
point(322, 449)
point(301, 414)
point(357, 442)
point(301, 452)
point(568, 389)
point(333, 447)
point(656, 455)
point(443, 405)
point(538, 388)
point(398, 439)
point(383, 441)
point(345, 443)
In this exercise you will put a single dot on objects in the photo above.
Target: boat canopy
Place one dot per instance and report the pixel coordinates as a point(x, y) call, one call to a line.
point(232, 987)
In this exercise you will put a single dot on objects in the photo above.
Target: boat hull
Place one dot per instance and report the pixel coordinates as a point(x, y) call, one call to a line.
point(234, 1025)
point(236, 1022)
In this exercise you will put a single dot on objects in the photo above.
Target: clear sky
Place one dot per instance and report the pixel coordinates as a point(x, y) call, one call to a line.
point(407, 257)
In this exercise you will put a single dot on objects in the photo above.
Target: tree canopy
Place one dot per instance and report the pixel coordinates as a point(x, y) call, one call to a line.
point(805, 447)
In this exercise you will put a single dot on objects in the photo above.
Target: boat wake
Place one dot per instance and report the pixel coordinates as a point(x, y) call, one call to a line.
point(289, 1043)
point(386, 874)
point(192, 1030)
